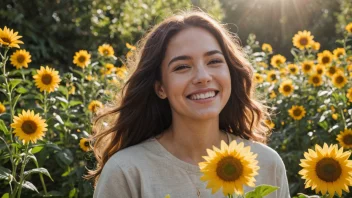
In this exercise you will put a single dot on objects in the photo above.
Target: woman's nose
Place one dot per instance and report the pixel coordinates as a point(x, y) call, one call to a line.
point(202, 75)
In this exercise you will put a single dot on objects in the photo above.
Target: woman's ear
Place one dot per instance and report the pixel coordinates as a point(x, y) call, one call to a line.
point(159, 90)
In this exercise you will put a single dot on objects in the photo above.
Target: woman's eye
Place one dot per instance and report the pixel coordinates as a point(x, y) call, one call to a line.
point(181, 67)
point(215, 61)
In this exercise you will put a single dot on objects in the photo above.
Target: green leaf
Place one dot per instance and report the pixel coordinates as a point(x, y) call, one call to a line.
point(65, 156)
point(58, 118)
point(63, 90)
point(6, 195)
point(54, 146)
point(29, 186)
point(36, 149)
point(16, 99)
point(261, 191)
point(14, 83)
point(78, 72)
point(75, 102)
point(3, 127)
point(72, 193)
point(4, 173)
point(21, 90)
point(62, 99)
point(38, 170)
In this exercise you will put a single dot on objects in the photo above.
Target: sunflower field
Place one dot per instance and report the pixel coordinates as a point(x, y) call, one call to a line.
point(46, 115)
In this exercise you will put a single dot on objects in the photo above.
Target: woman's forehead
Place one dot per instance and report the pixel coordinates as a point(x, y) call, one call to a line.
point(192, 41)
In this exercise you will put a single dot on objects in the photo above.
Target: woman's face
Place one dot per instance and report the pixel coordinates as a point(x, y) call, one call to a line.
point(195, 76)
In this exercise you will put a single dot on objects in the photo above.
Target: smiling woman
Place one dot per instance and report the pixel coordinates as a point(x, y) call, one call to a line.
point(190, 91)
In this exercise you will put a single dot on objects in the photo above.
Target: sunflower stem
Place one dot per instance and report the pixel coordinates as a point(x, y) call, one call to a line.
point(19, 186)
point(9, 95)
point(22, 74)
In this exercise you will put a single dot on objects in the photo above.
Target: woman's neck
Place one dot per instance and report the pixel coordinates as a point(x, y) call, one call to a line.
point(188, 140)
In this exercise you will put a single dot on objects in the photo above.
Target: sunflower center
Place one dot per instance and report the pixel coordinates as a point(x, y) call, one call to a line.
point(229, 169)
point(316, 80)
point(106, 52)
point(278, 62)
point(319, 71)
point(46, 79)
point(20, 58)
point(82, 59)
point(328, 169)
point(287, 88)
point(303, 41)
point(5, 40)
point(29, 127)
point(293, 69)
point(297, 112)
point(86, 144)
point(332, 70)
point(307, 67)
point(325, 59)
point(273, 77)
point(340, 79)
point(347, 139)
point(339, 54)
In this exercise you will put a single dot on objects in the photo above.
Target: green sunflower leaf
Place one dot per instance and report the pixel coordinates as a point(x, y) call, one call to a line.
point(30, 186)
point(3, 127)
point(261, 191)
point(38, 170)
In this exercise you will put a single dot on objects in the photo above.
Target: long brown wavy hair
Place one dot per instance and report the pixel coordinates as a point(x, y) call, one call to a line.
point(140, 114)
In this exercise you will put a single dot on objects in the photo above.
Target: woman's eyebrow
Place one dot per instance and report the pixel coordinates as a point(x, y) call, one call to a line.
point(184, 57)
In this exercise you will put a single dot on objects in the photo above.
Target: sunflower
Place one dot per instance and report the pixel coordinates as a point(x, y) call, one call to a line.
point(293, 69)
point(348, 28)
point(94, 105)
point(81, 58)
point(121, 72)
point(47, 79)
point(319, 69)
point(283, 72)
point(307, 66)
point(106, 50)
point(20, 59)
point(263, 64)
point(277, 60)
point(339, 52)
point(258, 78)
point(9, 38)
point(325, 57)
point(327, 169)
point(108, 69)
point(2, 108)
point(272, 94)
point(286, 88)
point(315, 46)
point(267, 48)
point(230, 167)
point(84, 144)
point(297, 112)
point(271, 76)
point(29, 127)
point(302, 39)
point(345, 138)
point(349, 94)
point(339, 80)
point(316, 80)
point(335, 116)
point(332, 70)
point(269, 123)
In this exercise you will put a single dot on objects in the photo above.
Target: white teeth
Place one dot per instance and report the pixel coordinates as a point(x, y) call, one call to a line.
point(206, 95)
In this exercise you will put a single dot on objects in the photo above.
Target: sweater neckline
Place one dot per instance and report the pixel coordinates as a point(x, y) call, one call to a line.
point(191, 168)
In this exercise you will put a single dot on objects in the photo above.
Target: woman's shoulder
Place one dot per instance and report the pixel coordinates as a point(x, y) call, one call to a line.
point(133, 155)
point(265, 153)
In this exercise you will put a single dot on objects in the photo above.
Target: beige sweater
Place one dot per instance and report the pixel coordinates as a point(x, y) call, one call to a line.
point(148, 170)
